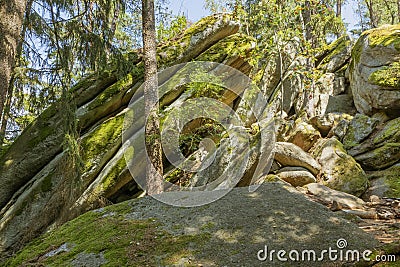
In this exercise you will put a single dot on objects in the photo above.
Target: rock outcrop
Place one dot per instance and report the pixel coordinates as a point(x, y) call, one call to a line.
point(230, 232)
point(338, 141)
point(36, 177)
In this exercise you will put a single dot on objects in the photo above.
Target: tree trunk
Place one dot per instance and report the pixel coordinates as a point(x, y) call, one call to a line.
point(339, 8)
point(10, 91)
point(307, 13)
point(372, 15)
point(11, 19)
point(154, 168)
point(398, 11)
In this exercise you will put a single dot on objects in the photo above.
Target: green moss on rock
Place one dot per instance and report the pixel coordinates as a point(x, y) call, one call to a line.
point(98, 141)
point(361, 126)
point(335, 48)
point(339, 170)
point(387, 35)
point(47, 184)
point(123, 242)
point(234, 45)
point(381, 157)
point(387, 77)
point(111, 179)
point(389, 134)
point(391, 180)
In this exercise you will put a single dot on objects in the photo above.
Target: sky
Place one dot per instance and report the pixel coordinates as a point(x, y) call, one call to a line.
point(194, 10)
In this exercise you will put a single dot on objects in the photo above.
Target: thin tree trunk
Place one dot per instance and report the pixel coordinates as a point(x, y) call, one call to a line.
point(307, 13)
point(154, 169)
point(11, 19)
point(6, 112)
point(372, 15)
point(339, 8)
point(398, 11)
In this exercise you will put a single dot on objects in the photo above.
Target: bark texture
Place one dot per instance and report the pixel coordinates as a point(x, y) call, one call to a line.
point(154, 168)
point(11, 19)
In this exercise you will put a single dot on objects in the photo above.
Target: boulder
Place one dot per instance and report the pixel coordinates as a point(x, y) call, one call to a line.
point(337, 104)
point(388, 132)
point(289, 154)
point(33, 172)
point(327, 123)
point(360, 127)
point(375, 71)
point(385, 183)
point(337, 55)
point(339, 170)
point(330, 195)
point(281, 84)
point(296, 176)
point(340, 129)
point(323, 123)
point(303, 135)
point(331, 84)
point(381, 157)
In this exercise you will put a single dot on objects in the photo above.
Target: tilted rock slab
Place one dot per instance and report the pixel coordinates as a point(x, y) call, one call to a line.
point(289, 154)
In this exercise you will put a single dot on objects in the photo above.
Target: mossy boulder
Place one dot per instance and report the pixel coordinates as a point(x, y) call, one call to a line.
point(228, 232)
point(381, 157)
point(374, 70)
point(339, 170)
point(385, 132)
point(336, 55)
point(385, 183)
point(360, 127)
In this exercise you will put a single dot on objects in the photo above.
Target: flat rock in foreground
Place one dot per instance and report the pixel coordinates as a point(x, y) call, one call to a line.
point(227, 232)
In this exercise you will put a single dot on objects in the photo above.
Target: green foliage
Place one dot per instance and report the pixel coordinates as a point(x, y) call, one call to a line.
point(176, 27)
point(67, 40)
point(189, 140)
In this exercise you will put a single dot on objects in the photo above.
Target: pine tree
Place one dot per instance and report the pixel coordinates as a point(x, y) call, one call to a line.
point(153, 143)
point(12, 13)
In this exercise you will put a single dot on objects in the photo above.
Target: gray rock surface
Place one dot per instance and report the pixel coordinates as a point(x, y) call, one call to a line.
point(360, 127)
point(296, 176)
point(289, 154)
point(228, 232)
point(329, 195)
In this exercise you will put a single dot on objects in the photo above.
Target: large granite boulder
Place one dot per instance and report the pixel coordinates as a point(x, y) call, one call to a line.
point(375, 71)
